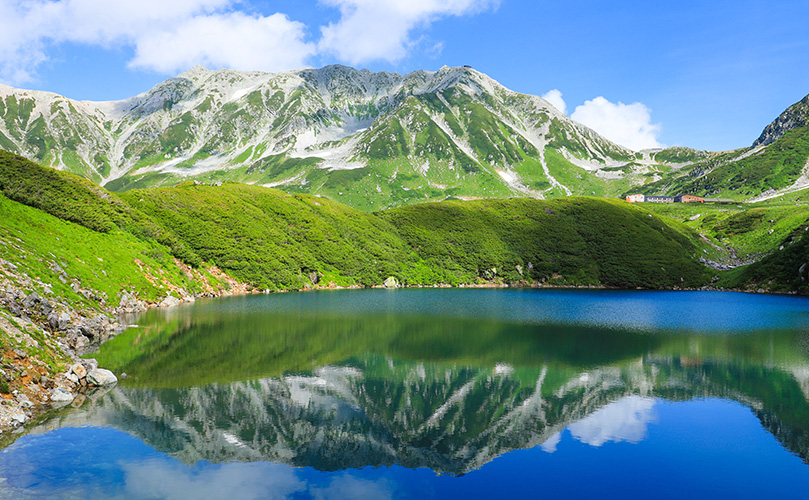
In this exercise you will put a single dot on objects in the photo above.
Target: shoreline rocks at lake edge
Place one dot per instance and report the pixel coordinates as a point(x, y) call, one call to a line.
point(51, 332)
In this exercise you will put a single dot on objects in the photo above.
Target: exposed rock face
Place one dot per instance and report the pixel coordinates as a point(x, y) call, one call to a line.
point(795, 116)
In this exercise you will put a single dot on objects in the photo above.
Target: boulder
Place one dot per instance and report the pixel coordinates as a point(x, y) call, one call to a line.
point(101, 377)
point(60, 395)
point(53, 321)
point(79, 370)
point(391, 282)
point(29, 301)
point(64, 320)
point(170, 301)
point(91, 364)
point(45, 307)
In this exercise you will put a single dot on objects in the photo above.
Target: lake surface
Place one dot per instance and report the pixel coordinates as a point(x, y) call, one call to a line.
point(440, 393)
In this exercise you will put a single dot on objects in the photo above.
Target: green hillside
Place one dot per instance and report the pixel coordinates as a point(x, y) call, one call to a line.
point(274, 240)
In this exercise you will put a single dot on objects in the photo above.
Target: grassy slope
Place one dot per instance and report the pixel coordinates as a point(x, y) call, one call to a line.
point(276, 240)
point(576, 240)
point(777, 166)
point(56, 224)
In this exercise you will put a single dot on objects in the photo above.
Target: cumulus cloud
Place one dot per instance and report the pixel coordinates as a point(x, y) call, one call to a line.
point(171, 36)
point(167, 36)
point(629, 125)
point(371, 30)
point(234, 40)
point(555, 98)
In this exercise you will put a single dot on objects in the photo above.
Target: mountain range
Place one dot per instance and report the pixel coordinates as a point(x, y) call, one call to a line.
point(374, 140)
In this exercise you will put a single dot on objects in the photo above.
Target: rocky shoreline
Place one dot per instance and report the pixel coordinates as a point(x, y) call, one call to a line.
point(41, 368)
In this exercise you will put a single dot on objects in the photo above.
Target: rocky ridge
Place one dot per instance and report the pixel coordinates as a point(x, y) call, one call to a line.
point(795, 116)
point(454, 131)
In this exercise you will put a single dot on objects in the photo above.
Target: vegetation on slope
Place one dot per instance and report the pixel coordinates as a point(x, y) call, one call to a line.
point(275, 240)
point(574, 241)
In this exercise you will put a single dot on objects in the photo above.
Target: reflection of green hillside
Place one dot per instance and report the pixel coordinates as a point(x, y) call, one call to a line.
point(198, 346)
point(195, 348)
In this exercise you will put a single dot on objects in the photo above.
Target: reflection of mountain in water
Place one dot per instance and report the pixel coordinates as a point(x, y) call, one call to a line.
point(377, 411)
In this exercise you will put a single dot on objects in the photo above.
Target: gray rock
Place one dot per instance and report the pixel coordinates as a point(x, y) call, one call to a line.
point(170, 301)
point(53, 321)
point(14, 309)
point(45, 307)
point(391, 282)
point(101, 377)
point(64, 320)
point(60, 395)
point(30, 300)
point(91, 364)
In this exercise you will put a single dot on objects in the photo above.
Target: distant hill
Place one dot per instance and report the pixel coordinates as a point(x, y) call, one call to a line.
point(775, 165)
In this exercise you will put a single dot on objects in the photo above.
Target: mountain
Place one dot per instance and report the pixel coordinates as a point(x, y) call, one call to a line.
point(369, 140)
point(776, 164)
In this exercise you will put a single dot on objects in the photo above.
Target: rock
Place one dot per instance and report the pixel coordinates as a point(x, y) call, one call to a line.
point(45, 307)
point(72, 377)
point(91, 364)
point(391, 282)
point(60, 395)
point(20, 354)
point(101, 377)
point(79, 370)
point(170, 301)
point(802, 271)
point(53, 321)
point(29, 301)
point(14, 309)
point(64, 320)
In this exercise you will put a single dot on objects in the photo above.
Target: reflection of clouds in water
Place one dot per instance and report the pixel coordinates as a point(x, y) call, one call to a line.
point(623, 420)
point(351, 488)
point(163, 479)
point(549, 446)
point(243, 481)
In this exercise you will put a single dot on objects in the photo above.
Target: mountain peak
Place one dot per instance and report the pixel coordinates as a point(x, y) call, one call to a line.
point(795, 116)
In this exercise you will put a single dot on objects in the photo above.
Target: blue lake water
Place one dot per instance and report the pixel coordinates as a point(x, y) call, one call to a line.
point(448, 393)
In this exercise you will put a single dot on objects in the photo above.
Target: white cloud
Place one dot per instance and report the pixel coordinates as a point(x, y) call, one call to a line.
point(555, 98)
point(234, 41)
point(171, 36)
point(168, 36)
point(629, 125)
point(623, 420)
point(371, 30)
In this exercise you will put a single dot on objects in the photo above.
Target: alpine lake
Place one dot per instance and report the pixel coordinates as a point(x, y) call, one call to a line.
point(439, 393)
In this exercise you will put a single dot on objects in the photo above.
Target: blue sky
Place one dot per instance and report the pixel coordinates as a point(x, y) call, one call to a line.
point(708, 75)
